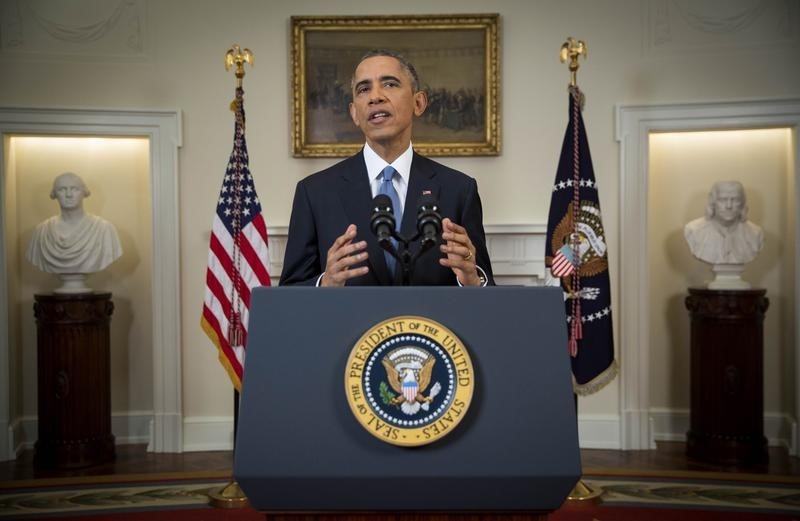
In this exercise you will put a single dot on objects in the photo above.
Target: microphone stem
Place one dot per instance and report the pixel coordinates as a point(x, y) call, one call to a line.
point(406, 262)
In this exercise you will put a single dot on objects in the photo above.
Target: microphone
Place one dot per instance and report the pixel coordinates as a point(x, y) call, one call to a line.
point(429, 221)
point(382, 219)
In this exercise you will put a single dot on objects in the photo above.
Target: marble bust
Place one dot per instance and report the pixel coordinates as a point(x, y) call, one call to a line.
point(724, 237)
point(75, 242)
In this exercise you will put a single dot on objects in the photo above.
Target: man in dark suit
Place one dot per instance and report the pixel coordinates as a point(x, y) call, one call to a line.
point(330, 242)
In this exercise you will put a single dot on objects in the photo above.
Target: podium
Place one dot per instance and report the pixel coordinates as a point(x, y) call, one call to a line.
point(301, 453)
point(74, 380)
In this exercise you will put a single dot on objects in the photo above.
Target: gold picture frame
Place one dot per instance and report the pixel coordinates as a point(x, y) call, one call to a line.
point(456, 57)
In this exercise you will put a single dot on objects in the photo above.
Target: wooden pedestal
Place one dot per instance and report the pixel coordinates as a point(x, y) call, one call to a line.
point(727, 391)
point(74, 380)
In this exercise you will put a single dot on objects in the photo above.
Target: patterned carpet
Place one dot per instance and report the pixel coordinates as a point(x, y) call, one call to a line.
point(36, 499)
point(22, 504)
point(758, 497)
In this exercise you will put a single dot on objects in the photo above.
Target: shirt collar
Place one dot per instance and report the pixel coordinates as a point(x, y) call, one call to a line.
point(376, 164)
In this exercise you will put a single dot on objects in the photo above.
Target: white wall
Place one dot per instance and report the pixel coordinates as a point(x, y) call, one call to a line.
point(169, 55)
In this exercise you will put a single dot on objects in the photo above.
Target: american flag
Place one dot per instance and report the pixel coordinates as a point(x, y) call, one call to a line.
point(237, 256)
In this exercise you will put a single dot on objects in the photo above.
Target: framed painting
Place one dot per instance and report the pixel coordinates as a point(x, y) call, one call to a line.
point(457, 60)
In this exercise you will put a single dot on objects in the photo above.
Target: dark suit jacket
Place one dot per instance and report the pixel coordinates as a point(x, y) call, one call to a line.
point(325, 203)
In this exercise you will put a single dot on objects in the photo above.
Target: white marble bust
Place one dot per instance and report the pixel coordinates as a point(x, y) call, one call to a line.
point(75, 242)
point(724, 237)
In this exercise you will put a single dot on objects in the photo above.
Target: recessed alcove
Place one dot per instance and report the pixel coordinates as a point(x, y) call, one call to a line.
point(117, 172)
point(670, 156)
point(128, 159)
point(682, 168)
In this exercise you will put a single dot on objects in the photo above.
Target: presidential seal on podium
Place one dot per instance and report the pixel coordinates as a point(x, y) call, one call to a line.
point(409, 381)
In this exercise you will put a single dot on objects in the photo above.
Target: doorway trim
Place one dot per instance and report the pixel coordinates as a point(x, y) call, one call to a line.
point(634, 123)
point(163, 130)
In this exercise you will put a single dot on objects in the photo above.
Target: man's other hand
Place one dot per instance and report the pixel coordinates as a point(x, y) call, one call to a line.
point(342, 258)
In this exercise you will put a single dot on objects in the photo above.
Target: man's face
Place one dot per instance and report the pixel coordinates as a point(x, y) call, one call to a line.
point(384, 102)
point(728, 204)
point(69, 192)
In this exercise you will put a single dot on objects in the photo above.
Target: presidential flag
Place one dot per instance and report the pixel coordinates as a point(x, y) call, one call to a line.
point(576, 258)
point(237, 256)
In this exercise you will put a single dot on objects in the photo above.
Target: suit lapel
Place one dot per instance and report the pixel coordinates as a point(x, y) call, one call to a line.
point(356, 196)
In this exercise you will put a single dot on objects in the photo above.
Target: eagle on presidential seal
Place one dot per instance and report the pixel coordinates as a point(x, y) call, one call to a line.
point(409, 371)
point(589, 238)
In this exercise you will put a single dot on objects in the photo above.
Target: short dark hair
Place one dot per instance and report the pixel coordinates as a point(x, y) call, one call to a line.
point(407, 65)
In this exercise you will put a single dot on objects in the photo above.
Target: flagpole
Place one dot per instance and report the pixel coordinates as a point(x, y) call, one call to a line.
point(231, 495)
point(571, 50)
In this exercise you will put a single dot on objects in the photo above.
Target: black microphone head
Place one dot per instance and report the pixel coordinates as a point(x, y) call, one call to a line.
point(381, 219)
point(429, 221)
point(427, 201)
point(382, 203)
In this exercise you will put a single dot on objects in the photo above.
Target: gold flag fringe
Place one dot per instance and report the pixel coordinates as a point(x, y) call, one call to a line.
point(598, 382)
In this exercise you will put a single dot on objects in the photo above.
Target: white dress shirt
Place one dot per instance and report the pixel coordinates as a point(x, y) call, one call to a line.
point(376, 164)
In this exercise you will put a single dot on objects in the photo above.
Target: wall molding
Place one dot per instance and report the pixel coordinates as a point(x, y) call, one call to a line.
point(672, 425)
point(599, 431)
point(129, 428)
point(516, 250)
point(595, 431)
point(206, 433)
point(673, 27)
point(39, 31)
point(163, 130)
point(634, 123)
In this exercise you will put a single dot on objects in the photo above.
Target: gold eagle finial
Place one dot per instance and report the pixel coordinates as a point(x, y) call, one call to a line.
point(570, 50)
point(238, 56)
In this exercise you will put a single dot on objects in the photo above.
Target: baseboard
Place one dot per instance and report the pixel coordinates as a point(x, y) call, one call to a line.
point(7, 449)
point(131, 428)
point(669, 424)
point(595, 431)
point(216, 433)
point(599, 431)
point(128, 429)
point(207, 433)
point(672, 424)
point(23, 434)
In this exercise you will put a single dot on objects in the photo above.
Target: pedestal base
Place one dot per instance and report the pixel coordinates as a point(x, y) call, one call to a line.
point(727, 449)
point(73, 454)
point(727, 385)
point(229, 496)
point(74, 380)
point(72, 284)
point(728, 276)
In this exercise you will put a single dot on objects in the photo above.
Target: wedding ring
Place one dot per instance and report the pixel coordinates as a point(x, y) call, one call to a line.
point(469, 255)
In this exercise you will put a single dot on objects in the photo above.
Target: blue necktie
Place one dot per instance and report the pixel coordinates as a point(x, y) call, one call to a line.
point(387, 188)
